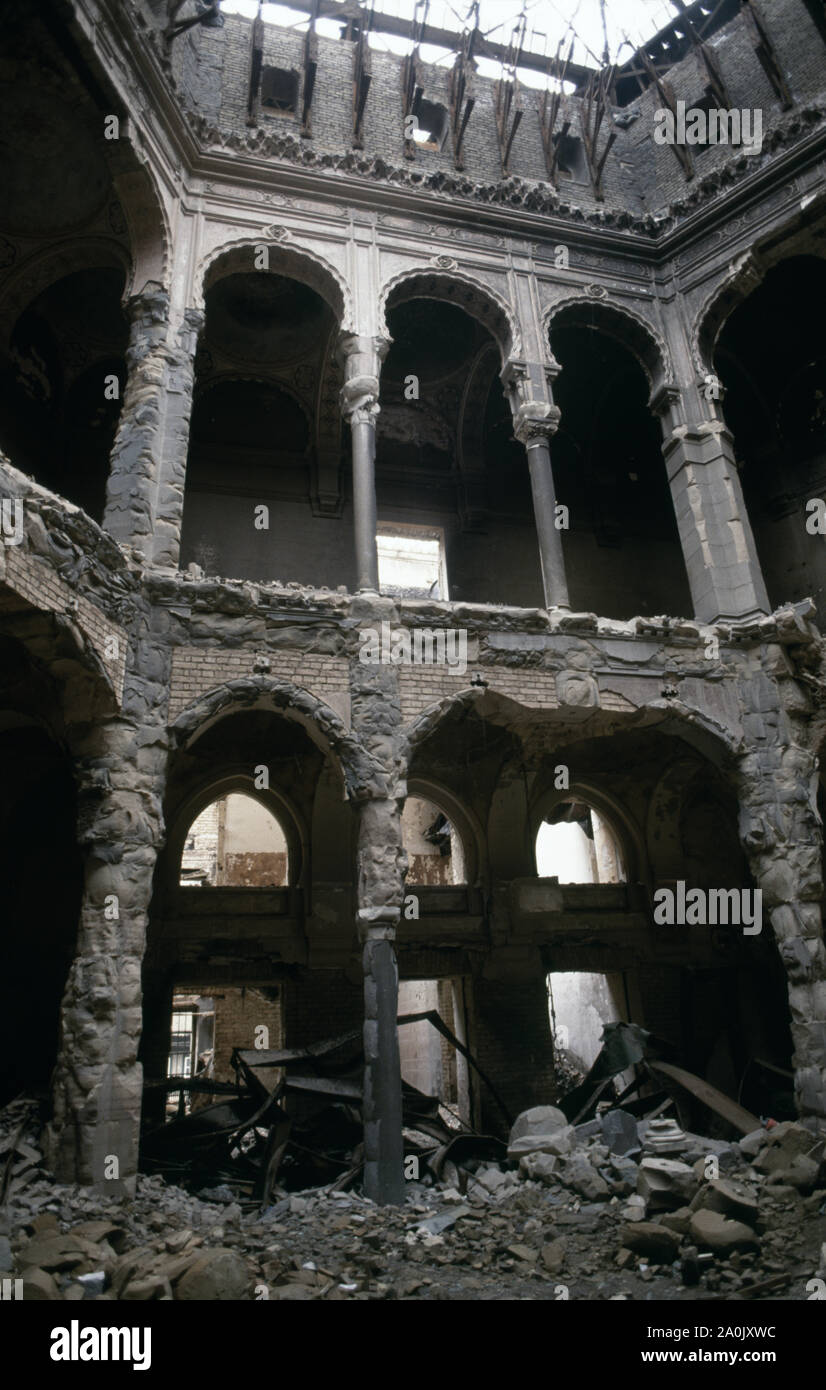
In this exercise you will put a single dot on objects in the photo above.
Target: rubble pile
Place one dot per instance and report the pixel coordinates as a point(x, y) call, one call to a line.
point(613, 1209)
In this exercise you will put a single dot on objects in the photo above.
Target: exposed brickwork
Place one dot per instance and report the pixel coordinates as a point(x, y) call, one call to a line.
point(38, 585)
point(197, 670)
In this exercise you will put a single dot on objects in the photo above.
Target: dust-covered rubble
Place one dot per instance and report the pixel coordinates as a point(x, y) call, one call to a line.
point(737, 1220)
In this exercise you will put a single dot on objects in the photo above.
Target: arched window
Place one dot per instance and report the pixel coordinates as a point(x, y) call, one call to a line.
point(574, 844)
point(236, 842)
point(435, 852)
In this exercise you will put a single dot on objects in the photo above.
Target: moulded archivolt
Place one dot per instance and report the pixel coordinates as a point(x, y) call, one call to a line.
point(633, 330)
point(455, 286)
point(287, 257)
point(35, 273)
point(362, 775)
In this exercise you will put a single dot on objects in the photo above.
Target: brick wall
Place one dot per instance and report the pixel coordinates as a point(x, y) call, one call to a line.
point(421, 686)
point(197, 670)
point(319, 1004)
point(213, 67)
point(513, 1046)
point(237, 1014)
point(40, 586)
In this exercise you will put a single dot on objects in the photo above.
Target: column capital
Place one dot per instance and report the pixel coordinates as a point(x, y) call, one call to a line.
point(536, 422)
point(361, 353)
point(359, 400)
point(149, 305)
point(361, 357)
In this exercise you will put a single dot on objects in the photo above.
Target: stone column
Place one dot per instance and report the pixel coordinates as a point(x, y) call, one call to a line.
point(144, 493)
point(724, 572)
point(381, 866)
point(379, 848)
point(536, 420)
point(180, 386)
point(782, 835)
point(362, 358)
point(120, 767)
point(129, 514)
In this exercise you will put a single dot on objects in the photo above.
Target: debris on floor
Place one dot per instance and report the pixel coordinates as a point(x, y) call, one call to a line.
point(559, 1212)
point(294, 1120)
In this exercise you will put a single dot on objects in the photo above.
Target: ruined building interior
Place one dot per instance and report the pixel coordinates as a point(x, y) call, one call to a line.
point(333, 326)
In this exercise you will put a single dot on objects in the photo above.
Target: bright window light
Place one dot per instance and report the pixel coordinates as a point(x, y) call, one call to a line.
point(411, 563)
point(629, 23)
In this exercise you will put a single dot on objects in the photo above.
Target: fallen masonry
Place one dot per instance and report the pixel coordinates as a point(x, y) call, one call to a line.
point(579, 1230)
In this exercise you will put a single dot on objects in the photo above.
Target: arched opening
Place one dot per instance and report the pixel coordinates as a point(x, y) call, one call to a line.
point(622, 549)
point(575, 844)
point(62, 377)
point(434, 847)
point(775, 406)
point(264, 486)
point(236, 842)
point(257, 955)
point(447, 465)
point(42, 876)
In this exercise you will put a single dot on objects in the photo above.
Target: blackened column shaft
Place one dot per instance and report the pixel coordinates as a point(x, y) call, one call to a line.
point(362, 357)
point(535, 431)
point(554, 582)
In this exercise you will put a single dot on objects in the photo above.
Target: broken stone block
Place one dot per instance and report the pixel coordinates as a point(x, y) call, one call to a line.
point(786, 1143)
point(619, 1131)
point(542, 1119)
point(154, 1286)
point(715, 1232)
point(540, 1167)
point(730, 1199)
point(657, 1243)
point(623, 1170)
point(491, 1179)
point(577, 1173)
point(39, 1286)
point(524, 1253)
point(665, 1183)
point(553, 1255)
point(562, 1141)
point(53, 1252)
point(802, 1174)
point(751, 1144)
point(634, 1210)
point(677, 1220)
point(215, 1275)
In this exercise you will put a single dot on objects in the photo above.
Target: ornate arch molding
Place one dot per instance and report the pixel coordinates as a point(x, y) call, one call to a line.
point(742, 279)
point(294, 262)
point(187, 810)
point(430, 719)
point(363, 777)
point(37, 272)
point(146, 217)
point(629, 328)
point(455, 287)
